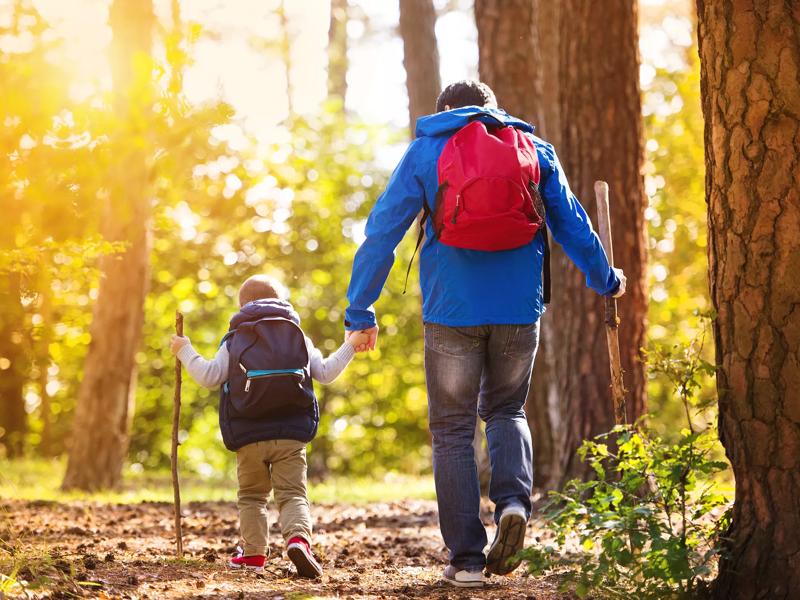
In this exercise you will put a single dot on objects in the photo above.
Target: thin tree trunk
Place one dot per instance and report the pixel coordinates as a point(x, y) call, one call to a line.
point(420, 57)
point(751, 104)
point(337, 50)
point(43, 360)
point(14, 368)
point(286, 54)
point(105, 400)
point(601, 138)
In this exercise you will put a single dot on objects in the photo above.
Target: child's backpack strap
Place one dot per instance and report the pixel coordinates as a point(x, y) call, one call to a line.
point(226, 337)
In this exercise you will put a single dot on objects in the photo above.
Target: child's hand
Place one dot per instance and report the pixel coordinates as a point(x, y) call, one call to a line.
point(177, 342)
point(358, 339)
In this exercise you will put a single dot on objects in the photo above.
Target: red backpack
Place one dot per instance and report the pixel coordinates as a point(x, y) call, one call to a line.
point(488, 197)
point(487, 178)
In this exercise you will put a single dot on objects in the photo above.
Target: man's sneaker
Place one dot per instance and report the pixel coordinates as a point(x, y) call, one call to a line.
point(508, 540)
point(252, 563)
point(300, 554)
point(464, 577)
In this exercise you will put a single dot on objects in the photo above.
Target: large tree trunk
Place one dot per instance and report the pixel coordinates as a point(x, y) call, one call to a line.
point(751, 104)
point(14, 367)
point(524, 76)
point(545, 416)
point(579, 83)
point(105, 400)
point(337, 50)
point(520, 77)
point(601, 138)
point(420, 57)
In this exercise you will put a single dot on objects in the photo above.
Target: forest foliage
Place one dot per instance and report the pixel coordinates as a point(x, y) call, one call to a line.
point(227, 206)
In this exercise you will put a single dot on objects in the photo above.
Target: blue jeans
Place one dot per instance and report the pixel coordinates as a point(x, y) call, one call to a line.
point(484, 370)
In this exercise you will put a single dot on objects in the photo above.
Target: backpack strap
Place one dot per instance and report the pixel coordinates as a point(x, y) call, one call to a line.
point(546, 265)
point(539, 205)
point(226, 337)
point(426, 213)
point(497, 122)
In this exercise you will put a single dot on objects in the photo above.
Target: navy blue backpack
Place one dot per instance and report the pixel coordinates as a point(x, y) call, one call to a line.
point(269, 393)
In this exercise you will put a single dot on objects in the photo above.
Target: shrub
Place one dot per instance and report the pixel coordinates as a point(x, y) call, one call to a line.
point(649, 525)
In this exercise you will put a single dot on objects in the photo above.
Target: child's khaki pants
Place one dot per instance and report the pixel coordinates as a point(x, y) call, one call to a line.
point(262, 466)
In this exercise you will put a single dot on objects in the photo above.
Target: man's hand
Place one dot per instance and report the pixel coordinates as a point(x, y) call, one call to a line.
point(177, 342)
point(357, 339)
point(622, 281)
point(368, 343)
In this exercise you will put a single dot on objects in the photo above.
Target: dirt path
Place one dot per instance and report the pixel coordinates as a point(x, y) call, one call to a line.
point(390, 550)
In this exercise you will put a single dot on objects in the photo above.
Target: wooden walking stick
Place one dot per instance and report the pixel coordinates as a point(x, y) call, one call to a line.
point(176, 416)
point(612, 320)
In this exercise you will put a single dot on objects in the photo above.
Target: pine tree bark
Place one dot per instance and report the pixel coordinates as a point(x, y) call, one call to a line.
point(420, 57)
point(105, 401)
point(524, 78)
point(580, 83)
point(601, 138)
point(337, 50)
point(14, 368)
point(751, 104)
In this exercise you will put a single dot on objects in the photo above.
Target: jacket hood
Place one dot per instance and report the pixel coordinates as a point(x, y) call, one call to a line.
point(268, 307)
point(451, 120)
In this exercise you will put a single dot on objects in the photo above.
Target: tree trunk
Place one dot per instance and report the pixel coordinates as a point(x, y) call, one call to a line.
point(751, 104)
point(420, 57)
point(568, 76)
point(337, 50)
point(43, 362)
point(601, 138)
point(14, 368)
point(286, 55)
point(105, 400)
point(524, 76)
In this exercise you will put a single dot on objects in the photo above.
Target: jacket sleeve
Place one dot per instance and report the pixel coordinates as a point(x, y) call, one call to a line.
point(392, 215)
point(571, 226)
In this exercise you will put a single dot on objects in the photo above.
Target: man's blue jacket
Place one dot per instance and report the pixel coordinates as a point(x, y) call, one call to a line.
point(470, 287)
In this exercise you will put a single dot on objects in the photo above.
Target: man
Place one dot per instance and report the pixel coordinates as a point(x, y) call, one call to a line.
point(481, 309)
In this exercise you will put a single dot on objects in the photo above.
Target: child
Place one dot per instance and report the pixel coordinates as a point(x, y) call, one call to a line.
point(268, 413)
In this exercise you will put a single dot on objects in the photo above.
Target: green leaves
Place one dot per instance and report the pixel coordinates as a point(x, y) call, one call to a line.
point(649, 525)
point(618, 534)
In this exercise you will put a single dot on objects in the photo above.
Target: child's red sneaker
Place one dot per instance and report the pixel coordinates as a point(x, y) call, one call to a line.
point(300, 554)
point(253, 563)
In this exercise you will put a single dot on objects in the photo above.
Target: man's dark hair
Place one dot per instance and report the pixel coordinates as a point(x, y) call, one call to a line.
point(466, 92)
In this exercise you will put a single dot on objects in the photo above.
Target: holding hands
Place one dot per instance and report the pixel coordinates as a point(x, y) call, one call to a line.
point(363, 340)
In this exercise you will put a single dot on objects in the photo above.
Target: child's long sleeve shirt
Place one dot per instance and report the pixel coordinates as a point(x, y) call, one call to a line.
point(213, 373)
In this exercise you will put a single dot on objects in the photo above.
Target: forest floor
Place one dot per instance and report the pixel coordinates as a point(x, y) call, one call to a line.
point(93, 550)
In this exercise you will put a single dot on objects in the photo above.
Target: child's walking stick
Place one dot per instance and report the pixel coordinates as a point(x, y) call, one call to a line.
point(176, 416)
point(612, 320)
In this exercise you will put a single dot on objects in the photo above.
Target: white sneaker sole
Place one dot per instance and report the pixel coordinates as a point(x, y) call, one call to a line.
point(464, 584)
point(509, 540)
point(246, 568)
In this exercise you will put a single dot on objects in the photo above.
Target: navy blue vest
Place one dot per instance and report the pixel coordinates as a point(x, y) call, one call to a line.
point(269, 394)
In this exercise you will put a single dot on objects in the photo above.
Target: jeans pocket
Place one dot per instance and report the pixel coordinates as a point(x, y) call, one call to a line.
point(454, 341)
point(522, 341)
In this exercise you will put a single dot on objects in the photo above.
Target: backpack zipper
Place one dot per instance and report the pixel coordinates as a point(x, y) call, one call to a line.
point(259, 374)
point(455, 212)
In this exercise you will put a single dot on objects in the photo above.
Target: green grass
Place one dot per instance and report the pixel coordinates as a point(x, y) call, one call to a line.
point(39, 479)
